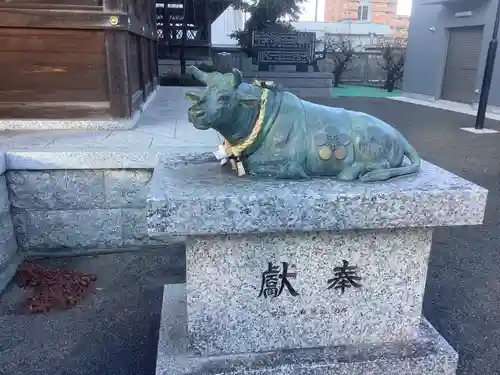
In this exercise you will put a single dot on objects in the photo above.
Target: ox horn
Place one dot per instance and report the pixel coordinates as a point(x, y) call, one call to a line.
point(197, 73)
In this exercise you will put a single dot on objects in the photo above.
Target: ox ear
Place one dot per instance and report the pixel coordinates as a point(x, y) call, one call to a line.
point(237, 77)
point(192, 97)
point(248, 100)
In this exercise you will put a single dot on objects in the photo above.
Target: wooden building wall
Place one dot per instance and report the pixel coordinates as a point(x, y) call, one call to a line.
point(86, 59)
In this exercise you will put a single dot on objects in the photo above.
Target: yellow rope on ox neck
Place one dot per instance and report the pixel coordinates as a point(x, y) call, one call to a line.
point(237, 150)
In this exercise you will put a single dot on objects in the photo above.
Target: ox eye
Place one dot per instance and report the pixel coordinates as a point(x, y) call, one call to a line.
point(224, 98)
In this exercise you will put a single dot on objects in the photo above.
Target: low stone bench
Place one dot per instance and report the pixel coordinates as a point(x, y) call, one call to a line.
point(303, 277)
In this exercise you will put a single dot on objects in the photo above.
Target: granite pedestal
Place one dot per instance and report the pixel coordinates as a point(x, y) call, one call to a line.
point(303, 277)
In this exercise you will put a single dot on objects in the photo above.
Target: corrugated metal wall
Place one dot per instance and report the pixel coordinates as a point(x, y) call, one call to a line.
point(462, 63)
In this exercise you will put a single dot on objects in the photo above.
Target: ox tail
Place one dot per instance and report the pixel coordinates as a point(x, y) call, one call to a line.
point(385, 174)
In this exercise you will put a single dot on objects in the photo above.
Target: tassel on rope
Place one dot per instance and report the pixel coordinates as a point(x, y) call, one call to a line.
point(232, 160)
point(240, 168)
point(221, 153)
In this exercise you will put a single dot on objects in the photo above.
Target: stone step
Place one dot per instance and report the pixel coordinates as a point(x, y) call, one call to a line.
point(428, 353)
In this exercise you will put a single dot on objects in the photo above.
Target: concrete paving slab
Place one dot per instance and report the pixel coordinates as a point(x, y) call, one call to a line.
point(25, 141)
point(165, 143)
point(166, 130)
point(81, 139)
point(126, 139)
point(186, 131)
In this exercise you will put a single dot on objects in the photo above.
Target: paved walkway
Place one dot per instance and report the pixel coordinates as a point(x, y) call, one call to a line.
point(164, 126)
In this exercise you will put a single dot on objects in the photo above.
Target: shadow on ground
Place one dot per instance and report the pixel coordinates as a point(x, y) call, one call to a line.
point(115, 333)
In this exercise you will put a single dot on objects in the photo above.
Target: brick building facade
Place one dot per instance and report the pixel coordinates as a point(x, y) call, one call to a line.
point(374, 11)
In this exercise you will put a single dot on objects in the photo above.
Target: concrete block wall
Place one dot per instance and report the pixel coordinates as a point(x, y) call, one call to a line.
point(71, 210)
point(9, 257)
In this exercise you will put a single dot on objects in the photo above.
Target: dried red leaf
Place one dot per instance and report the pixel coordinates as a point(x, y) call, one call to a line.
point(54, 288)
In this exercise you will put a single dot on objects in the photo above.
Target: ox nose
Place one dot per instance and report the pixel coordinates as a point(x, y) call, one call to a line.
point(199, 113)
point(196, 115)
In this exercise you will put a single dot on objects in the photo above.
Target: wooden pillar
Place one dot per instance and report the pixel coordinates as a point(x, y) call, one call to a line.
point(116, 45)
point(117, 51)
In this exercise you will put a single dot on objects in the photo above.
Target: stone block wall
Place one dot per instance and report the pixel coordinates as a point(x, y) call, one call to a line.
point(9, 259)
point(79, 209)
